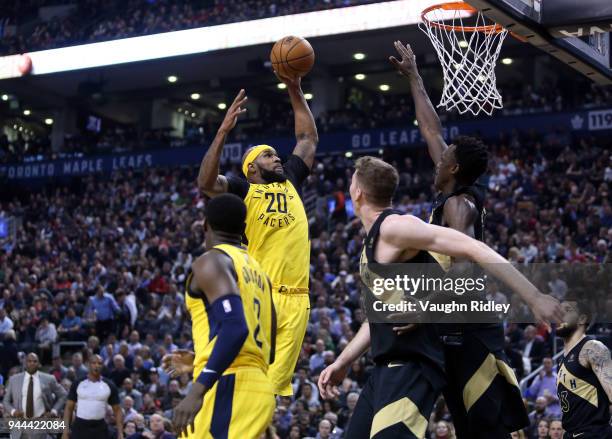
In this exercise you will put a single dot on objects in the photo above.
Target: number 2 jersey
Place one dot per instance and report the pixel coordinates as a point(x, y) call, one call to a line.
point(255, 292)
point(584, 403)
point(277, 225)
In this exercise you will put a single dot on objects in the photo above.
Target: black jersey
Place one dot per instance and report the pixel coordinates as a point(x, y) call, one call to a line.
point(491, 334)
point(423, 343)
point(584, 403)
point(476, 192)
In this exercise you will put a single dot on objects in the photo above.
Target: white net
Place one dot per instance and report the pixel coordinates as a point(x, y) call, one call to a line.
point(468, 53)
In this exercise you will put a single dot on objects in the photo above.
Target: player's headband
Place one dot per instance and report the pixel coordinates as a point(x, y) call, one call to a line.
point(252, 155)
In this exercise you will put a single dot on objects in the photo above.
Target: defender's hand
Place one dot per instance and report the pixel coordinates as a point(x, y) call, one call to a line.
point(178, 362)
point(231, 117)
point(407, 66)
point(329, 380)
point(546, 309)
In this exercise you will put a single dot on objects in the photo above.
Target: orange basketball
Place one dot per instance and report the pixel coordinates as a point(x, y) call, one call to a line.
point(292, 56)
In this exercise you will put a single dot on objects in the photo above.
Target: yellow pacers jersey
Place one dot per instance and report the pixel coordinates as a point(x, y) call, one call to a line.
point(277, 231)
point(254, 288)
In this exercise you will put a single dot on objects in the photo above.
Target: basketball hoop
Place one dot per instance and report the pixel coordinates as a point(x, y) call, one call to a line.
point(468, 46)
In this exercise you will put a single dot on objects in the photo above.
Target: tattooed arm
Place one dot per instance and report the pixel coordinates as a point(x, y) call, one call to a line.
point(596, 355)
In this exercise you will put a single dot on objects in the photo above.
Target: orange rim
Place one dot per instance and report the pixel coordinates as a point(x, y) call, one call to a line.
point(458, 6)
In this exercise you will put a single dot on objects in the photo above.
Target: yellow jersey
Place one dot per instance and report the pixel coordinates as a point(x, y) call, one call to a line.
point(255, 292)
point(277, 233)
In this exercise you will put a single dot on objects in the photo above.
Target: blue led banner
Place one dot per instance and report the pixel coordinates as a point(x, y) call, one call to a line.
point(596, 121)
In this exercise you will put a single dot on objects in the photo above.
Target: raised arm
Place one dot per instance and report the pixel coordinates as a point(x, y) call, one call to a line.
point(429, 122)
point(409, 232)
point(209, 180)
point(596, 355)
point(306, 134)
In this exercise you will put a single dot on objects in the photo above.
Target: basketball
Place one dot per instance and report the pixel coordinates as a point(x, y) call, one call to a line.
point(292, 56)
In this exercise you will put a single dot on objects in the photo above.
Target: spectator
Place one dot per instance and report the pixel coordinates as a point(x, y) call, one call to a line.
point(542, 430)
point(295, 432)
point(129, 412)
point(308, 397)
point(8, 353)
point(282, 419)
point(545, 385)
point(557, 286)
point(172, 396)
point(184, 384)
point(555, 430)
point(129, 428)
point(325, 428)
point(119, 373)
point(134, 344)
point(316, 360)
point(93, 344)
point(6, 323)
point(156, 430)
point(46, 336)
point(149, 405)
point(345, 414)
point(336, 432)
point(539, 413)
point(444, 430)
point(155, 387)
point(80, 370)
point(58, 370)
point(104, 309)
point(128, 390)
point(532, 349)
point(70, 328)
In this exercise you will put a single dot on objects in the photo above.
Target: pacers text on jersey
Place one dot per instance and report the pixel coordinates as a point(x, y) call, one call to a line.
point(276, 214)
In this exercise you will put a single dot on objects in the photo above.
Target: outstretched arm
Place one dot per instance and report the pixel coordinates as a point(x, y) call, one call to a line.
point(597, 355)
point(333, 375)
point(429, 122)
point(408, 232)
point(209, 180)
point(305, 129)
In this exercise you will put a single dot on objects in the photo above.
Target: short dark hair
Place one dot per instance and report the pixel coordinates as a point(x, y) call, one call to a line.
point(472, 157)
point(226, 213)
point(583, 305)
point(378, 178)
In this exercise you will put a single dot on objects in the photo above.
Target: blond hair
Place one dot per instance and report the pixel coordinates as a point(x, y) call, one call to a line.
point(378, 180)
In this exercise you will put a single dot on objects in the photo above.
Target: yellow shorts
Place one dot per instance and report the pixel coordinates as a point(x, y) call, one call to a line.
point(239, 406)
point(292, 312)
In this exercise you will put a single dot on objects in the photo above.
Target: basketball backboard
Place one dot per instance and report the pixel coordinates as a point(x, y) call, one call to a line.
point(576, 32)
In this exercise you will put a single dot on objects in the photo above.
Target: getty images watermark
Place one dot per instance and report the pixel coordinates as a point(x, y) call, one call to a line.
point(424, 293)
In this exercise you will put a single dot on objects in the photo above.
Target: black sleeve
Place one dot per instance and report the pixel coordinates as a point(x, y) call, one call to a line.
point(72, 393)
point(237, 186)
point(296, 170)
point(113, 399)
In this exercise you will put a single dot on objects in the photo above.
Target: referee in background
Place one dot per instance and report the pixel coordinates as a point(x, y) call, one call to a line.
point(92, 394)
